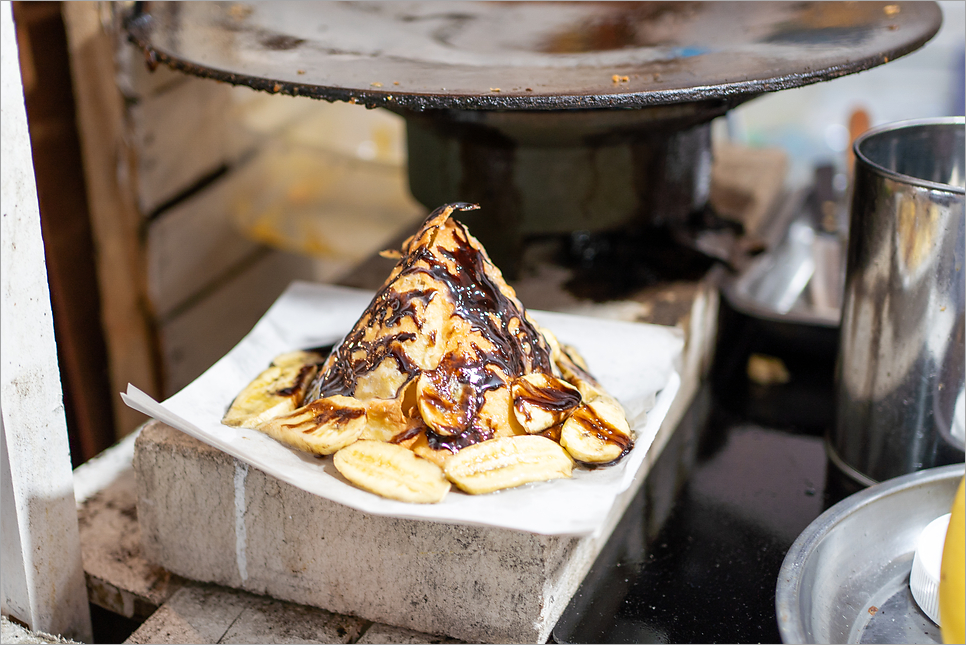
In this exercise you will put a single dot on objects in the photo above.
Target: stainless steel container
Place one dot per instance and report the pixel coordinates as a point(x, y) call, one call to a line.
point(901, 353)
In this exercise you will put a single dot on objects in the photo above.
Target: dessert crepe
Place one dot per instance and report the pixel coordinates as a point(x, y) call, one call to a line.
point(444, 379)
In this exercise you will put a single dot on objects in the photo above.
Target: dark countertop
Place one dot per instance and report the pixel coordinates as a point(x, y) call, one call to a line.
point(697, 555)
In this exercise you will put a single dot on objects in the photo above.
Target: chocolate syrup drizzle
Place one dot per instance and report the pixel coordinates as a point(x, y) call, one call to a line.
point(325, 412)
point(306, 372)
point(518, 348)
point(605, 432)
point(408, 433)
point(557, 400)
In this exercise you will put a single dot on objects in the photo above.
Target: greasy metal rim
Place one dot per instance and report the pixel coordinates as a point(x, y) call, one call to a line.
point(788, 591)
point(138, 26)
point(903, 125)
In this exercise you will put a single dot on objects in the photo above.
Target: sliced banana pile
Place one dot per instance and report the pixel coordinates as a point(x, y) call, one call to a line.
point(445, 379)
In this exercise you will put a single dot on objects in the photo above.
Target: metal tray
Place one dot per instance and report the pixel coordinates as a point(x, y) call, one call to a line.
point(845, 579)
point(528, 55)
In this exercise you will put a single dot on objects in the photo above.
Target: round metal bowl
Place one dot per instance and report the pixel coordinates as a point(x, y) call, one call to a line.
point(845, 579)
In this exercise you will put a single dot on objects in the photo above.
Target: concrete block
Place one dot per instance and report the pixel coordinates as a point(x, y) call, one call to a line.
point(389, 635)
point(194, 614)
point(208, 614)
point(271, 621)
point(207, 517)
point(119, 579)
point(201, 613)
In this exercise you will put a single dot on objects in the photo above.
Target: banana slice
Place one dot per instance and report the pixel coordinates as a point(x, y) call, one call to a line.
point(276, 391)
point(445, 404)
point(597, 433)
point(391, 471)
point(386, 418)
point(576, 357)
point(541, 401)
point(507, 462)
point(420, 446)
point(321, 427)
point(551, 340)
point(571, 364)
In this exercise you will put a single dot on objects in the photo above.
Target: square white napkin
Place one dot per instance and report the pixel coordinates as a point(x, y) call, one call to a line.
point(635, 362)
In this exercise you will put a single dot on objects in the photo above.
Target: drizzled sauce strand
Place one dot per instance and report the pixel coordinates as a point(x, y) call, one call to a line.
point(306, 372)
point(325, 412)
point(410, 432)
point(456, 442)
point(577, 369)
point(477, 299)
point(388, 308)
point(553, 399)
point(460, 377)
point(604, 431)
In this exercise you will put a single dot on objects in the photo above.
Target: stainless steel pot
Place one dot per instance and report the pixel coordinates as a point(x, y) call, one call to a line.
point(901, 352)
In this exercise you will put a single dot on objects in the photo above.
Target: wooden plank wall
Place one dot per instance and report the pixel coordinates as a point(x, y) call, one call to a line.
point(112, 200)
point(208, 200)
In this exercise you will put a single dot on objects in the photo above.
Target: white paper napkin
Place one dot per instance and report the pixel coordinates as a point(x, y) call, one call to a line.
point(635, 362)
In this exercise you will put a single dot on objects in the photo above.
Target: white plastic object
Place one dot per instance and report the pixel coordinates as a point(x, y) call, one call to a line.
point(924, 579)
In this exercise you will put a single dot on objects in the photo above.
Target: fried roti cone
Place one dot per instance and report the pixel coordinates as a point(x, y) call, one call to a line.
point(447, 323)
point(446, 357)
